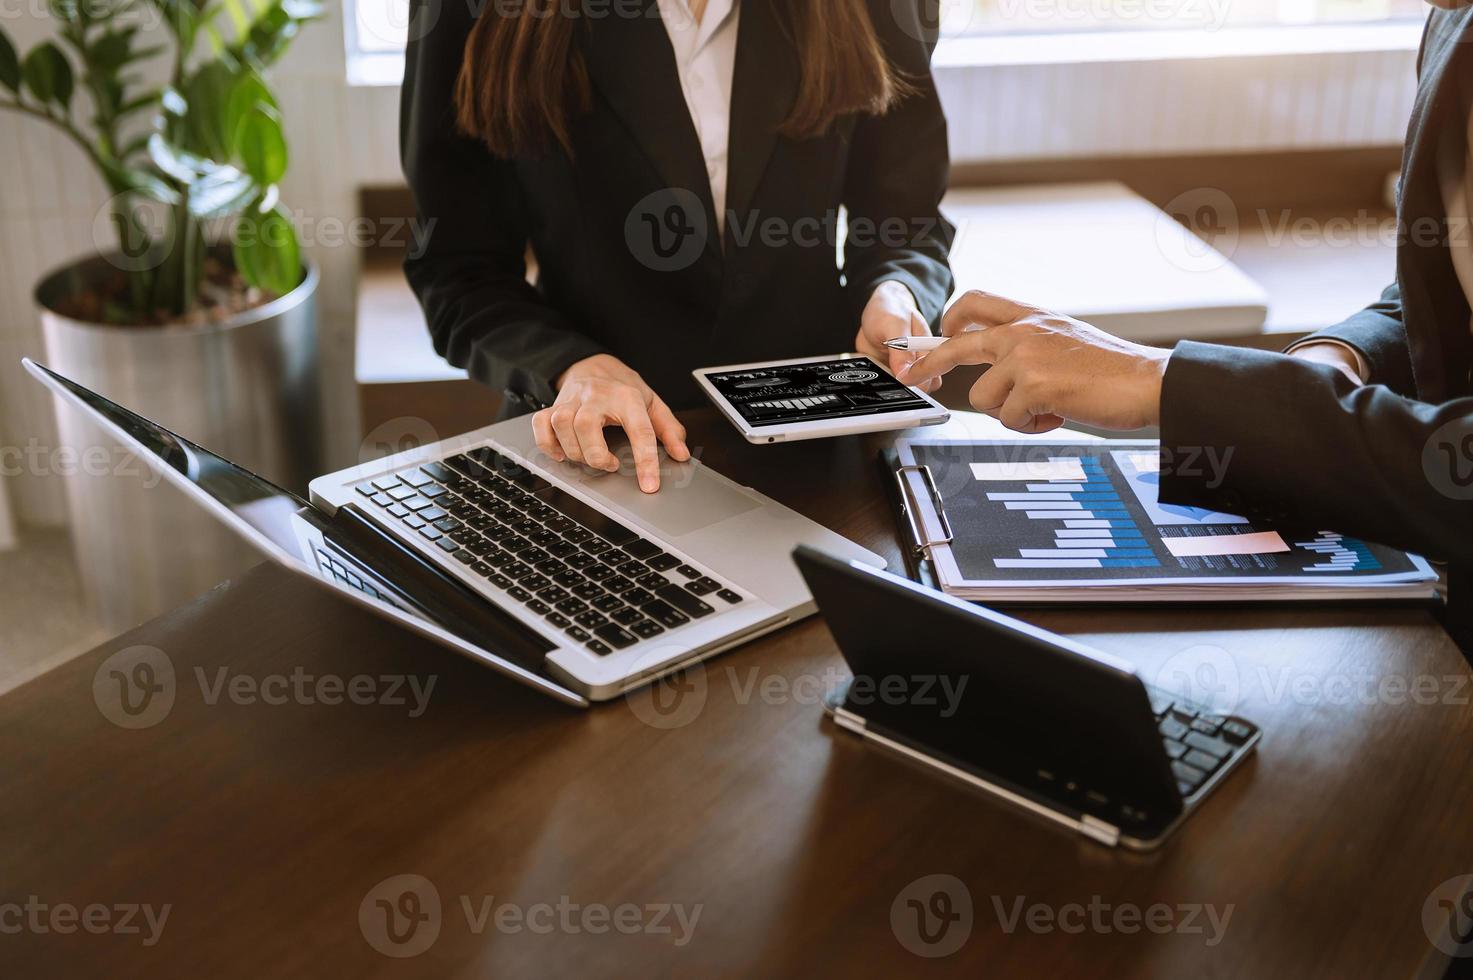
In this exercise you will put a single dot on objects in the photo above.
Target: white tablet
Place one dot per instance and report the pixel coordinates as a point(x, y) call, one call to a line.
point(812, 398)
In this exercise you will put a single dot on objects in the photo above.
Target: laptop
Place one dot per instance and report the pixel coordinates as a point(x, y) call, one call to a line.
point(571, 581)
point(1069, 734)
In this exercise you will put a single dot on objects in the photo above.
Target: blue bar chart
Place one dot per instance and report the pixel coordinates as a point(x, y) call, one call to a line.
point(1082, 521)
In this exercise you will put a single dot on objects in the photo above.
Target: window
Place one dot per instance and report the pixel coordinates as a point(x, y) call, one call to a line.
point(961, 17)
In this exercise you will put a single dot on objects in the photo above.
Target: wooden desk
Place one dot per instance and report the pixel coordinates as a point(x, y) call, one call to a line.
point(266, 827)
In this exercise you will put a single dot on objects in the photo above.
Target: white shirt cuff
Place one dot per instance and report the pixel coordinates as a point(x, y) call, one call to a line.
point(1361, 369)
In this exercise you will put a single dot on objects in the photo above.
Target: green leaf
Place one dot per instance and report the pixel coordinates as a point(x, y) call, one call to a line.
point(221, 193)
point(261, 145)
point(9, 64)
point(48, 75)
point(249, 92)
point(267, 253)
point(112, 50)
point(206, 123)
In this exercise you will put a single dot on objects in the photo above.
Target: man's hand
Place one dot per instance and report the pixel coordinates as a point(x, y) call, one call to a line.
point(890, 313)
point(599, 391)
point(1046, 368)
point(1338, 356)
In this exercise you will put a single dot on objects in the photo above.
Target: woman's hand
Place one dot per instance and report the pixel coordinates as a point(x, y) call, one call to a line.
point(890, 313)
point(599, 391)
point(1046, 367)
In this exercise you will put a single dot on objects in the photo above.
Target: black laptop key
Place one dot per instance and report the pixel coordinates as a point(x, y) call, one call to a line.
point(662, 562)
point(1212, 746)
point(627, 616)
point(464, 557)
point(386, 482)
point(608, 603)
point(596, 546)
point(559, 620)
point(568, 579)
point(633, 569)
point(539, 607)
point(688, 571)
point(590, 619)
point(578, 633)
point(536, 581)
point(534, 555)
point(666, 614)
point(707, 584)
point(1201, 760)
point(500, 581)
point(698, 588)
point(448, 546)
point(433, 490)
point(571, 607)
point(1173, 728)
point(1174, 749)
point(684, 601)
point(482, 569)
point(644, 629)
point(432, 514)
point(596, 521)
point(588, 590)
point(402, 493)
point(616, 636)
point(729, 596)
point(430, 534)
point(367, 489)
point(577, 534)
point(552, 595)
point(436, 471)
point(599, 647)
point(416, 478)
point(1188, 774)
point(399, 510)
point(447, 524)
point(1235, 731)
point(580, 560)
point(599, 572)
point(643, 550)
point(1206, 724)
point(520, 594)
point(550, 567)
point(618, 584)
point(382, 499)
point(636, 596)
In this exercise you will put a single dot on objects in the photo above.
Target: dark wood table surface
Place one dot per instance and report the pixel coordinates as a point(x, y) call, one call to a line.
point(562, 842)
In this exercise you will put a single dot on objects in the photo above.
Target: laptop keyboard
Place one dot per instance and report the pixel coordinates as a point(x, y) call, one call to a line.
point(1197, 742)
point(586, 574)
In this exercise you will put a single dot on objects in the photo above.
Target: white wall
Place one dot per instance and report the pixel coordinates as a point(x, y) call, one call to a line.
point(49, 201)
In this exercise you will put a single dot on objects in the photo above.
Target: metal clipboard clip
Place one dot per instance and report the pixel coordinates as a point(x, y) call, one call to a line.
point(908, 504)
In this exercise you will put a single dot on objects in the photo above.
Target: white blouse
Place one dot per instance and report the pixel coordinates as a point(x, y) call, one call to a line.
point(705, 55)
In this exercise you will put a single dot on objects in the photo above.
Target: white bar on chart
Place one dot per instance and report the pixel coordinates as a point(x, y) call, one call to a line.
point(1061, 553)
point(1084, 532)
point(1145, 462)
point(1086, 542)
point(1066, 468)
point(1056, 487)
point(1029, 496)
point(1259, 543)
point(1095, 523)
point(1046, 562)
point(1044, 505)
point(1054, 515)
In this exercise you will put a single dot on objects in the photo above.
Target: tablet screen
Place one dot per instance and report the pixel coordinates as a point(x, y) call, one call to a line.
point(814, 391)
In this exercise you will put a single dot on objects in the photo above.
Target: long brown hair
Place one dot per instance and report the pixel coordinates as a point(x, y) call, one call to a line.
point(523, 77)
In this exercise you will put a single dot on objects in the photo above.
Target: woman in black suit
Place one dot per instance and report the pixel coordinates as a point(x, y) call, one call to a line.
point(677, 167)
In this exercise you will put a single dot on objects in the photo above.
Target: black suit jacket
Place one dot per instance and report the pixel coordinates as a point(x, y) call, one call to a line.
point(1393, 460)
point(623, 230)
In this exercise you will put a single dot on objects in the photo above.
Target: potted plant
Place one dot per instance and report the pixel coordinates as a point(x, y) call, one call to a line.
point(197, 310)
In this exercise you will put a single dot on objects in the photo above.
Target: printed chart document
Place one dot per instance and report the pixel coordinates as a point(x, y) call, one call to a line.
point(1034, 521)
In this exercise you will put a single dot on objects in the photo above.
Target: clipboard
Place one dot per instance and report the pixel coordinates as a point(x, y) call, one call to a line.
point(913, 544)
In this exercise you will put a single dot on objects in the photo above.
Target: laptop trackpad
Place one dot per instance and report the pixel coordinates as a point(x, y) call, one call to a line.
point(690, 498)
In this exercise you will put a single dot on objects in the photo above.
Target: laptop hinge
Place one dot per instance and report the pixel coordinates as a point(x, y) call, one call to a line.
point(1093, 827)
point(845, 718)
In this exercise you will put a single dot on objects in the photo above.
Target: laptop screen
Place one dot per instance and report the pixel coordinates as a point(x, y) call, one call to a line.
point(265, 508)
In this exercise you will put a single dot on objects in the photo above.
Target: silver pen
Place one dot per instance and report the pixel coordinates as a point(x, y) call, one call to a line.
point(916, 343)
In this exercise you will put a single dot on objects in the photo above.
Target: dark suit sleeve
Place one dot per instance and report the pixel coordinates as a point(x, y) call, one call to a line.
point(470, 275)
point(898, 169)
point(1381, 337)
point(1302, 445)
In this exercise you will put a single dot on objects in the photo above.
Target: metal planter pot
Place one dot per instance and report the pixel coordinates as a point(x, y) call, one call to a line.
point(246, 388)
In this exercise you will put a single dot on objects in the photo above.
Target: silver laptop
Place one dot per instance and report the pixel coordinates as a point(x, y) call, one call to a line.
point(569, 580)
